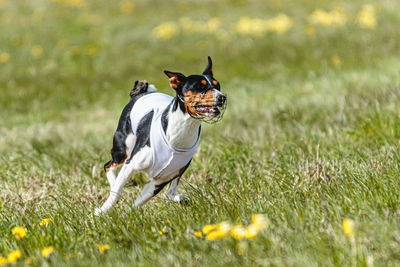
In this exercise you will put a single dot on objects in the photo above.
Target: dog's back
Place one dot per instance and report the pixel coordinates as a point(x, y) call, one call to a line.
point(119, 151)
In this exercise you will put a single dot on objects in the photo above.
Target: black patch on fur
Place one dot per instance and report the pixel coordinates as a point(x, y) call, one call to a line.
point(164, 117)
point(159, 187)
point(118, 151)
point(138, 88)
point(183, 170)
point(108, 164)
point(142, 134)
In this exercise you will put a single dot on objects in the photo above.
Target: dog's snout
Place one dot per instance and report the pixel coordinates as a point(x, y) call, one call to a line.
point(221, 99)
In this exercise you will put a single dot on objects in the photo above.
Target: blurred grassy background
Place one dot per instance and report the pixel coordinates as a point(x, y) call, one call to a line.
point(310, 135)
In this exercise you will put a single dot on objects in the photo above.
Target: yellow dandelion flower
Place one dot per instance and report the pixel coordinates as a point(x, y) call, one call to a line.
point(28, 260)
point(189, 25)
point(47, 251)
point(3, 260)
point(45, 222)
point(198, 234)
point(220, 231)
point(335, 17)
point(14, 255)
point(348, 227)
point(126, 6)
point(310, 30)
point(238, 232)
point(208, 228)
point(251, 231)
point(335, 61)
point(215, 235)
point(19, 232)
point(103, 248)
point(280, 24)
point(37, 51)
point(366, 18)
point(260, 221)
point(165, 30)
point(163, 231)
point(4, 57)
point(249, 26)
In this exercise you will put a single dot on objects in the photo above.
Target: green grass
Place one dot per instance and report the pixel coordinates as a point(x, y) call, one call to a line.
point(302, 141)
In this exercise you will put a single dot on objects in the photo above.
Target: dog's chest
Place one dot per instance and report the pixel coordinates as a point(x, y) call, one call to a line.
point(167, 159)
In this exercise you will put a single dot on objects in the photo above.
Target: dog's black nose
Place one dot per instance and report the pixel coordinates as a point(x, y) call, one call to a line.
point(221, 99)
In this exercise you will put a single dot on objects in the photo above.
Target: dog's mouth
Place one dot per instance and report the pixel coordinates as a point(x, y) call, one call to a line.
point(205, 108)
point(212, 111)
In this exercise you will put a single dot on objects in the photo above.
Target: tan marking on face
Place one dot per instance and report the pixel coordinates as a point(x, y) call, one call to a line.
point(203, 82)
point(192, 99)
point(215, 82)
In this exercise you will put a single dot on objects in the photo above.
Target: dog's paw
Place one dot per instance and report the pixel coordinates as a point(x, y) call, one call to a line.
point(181, 198)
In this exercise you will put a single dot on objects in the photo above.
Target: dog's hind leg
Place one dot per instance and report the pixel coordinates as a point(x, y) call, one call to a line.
point(150, 190)
point(119, 152)
point(172, 193)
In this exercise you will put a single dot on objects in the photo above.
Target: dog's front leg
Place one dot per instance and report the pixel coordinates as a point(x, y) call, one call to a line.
point(116, 189)
point(111, 176)
point(172, 193)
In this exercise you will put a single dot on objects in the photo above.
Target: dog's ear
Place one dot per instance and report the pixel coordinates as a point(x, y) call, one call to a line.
point(208, 69)
point(176, 79)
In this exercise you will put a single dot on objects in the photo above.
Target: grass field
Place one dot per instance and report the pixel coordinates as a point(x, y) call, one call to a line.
point(310, 136)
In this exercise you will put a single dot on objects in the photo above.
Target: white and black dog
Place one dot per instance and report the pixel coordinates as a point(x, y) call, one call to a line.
point(158, 134)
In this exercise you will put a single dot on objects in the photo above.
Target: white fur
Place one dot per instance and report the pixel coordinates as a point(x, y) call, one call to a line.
point(151, 88)
point(182, 130)
point(130, 143)
point(141, 161)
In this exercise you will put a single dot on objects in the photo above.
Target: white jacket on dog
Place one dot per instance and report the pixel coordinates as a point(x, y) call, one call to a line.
point(167, 160)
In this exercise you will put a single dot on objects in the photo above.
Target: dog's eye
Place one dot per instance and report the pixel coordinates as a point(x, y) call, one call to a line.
point(216, 84)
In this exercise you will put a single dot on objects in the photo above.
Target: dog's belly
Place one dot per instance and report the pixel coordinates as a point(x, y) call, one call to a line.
point(164, 178)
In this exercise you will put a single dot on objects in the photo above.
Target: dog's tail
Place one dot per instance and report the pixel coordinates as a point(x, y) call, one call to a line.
point(141, 87)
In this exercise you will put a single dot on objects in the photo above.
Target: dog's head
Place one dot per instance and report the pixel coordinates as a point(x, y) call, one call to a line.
point(200, 95)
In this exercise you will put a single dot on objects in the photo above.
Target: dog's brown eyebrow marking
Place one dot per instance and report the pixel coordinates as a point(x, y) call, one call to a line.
point(203, 82)
point(215, 82)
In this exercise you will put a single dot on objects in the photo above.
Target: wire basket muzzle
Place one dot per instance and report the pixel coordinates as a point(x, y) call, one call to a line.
point(205, 108)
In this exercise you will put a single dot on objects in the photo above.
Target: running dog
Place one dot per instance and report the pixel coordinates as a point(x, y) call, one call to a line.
point(158, 134)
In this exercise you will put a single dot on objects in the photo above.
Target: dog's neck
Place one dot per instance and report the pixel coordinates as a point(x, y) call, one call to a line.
point(182, 131)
